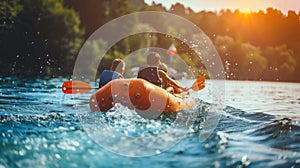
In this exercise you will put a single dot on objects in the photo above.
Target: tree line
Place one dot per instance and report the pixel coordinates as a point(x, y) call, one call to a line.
point(44, 37)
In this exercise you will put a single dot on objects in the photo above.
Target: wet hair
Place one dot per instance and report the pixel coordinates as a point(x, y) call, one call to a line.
point(117, 65)
point(153, 59)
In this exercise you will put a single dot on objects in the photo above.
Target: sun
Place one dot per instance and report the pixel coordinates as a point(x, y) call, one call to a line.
point(246, 14)
point(246, 11)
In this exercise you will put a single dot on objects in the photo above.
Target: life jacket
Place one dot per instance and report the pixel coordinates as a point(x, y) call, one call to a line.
point(150, 74)
point(107, 76)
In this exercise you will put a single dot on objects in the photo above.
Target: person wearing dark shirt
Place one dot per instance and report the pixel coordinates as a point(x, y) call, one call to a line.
point(157, 76)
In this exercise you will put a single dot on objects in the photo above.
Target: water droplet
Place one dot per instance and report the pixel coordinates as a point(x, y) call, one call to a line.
point(194, 45)
point(57, 156)
point(22, 152)
point(245, 160)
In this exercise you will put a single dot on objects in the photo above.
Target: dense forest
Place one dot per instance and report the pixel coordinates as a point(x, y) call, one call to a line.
point(43, 38)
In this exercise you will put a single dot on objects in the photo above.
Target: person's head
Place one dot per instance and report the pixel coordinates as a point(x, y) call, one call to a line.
point(153, 59)
point(163, 67)
point(118, 65)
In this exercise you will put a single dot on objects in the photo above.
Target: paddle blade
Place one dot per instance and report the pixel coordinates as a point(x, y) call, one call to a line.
point(73, 87)
point(198, 84)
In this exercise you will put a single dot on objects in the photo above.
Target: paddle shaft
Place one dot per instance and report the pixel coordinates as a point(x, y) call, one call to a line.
point(73, 87)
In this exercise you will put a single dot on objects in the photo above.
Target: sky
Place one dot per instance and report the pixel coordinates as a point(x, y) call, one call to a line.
point(242, 5)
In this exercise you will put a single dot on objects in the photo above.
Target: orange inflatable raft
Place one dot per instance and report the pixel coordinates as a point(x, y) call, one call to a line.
point(139, 95)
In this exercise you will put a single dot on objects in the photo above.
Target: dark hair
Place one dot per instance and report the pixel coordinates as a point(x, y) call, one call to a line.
point(117, 65)
point(153, 59)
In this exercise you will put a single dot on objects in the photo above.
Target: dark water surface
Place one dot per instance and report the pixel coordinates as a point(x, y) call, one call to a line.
point(41, 127)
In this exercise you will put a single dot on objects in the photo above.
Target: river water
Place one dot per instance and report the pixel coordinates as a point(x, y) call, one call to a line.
point(41, 127)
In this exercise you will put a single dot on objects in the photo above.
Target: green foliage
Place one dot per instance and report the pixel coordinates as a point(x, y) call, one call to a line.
point(283, 64)
point(9, 10)
point(95, 13)
point(46, 36)
point(93, 50)
point(44, 39)
point(8, 13)
point(253, 63)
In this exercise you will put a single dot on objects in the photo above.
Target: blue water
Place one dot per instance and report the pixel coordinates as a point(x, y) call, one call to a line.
point(41, 127)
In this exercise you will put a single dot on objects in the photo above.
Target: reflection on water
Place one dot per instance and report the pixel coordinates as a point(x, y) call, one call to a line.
point(41, 127)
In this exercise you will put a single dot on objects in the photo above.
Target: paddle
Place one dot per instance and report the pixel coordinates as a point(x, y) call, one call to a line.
point(73, 87)
point(198, 84)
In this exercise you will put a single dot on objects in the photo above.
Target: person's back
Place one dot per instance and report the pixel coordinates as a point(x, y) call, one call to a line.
point(107, 76)
point(150, 72)
point(116, 71)
point(156, 76)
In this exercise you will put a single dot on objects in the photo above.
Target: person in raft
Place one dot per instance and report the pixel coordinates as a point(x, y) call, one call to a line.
point(164, 67)
point(156, 76)
point(116, 71)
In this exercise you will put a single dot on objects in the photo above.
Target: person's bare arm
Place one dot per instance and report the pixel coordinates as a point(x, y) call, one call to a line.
point(171, 82)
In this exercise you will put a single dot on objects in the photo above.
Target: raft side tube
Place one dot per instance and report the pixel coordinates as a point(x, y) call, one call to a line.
point(140, 95)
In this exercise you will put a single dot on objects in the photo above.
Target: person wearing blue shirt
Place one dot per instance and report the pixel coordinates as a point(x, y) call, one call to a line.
point(116, 71)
